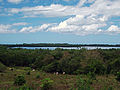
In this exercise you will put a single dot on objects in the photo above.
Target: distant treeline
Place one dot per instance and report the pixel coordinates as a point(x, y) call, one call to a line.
point(58, 45)
point(59, 60)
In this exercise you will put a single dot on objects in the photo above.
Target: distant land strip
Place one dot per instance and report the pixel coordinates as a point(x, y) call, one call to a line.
point(58, 45)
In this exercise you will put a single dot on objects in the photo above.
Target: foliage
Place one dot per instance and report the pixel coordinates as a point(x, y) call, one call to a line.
point(37, 76)
point(62, 82)
point(91, 75)
point(2, 67)
point(118, 76)
point(59, 60)
point(25, 87)
point(51, 67)
point(82, 84)
point(115, 66)
point(96, 67)
point(28, 73)
point(46, 84)
point(19, 80)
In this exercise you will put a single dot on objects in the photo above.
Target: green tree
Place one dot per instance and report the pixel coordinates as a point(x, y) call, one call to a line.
point(96, 66)
point(52, 67)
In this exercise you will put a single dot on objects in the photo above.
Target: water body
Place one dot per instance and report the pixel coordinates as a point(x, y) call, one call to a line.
point(52, 48)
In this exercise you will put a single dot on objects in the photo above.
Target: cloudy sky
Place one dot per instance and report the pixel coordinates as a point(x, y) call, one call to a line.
point(60, 21)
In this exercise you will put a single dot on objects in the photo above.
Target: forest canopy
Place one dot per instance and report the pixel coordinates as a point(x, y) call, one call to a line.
point(71, 61)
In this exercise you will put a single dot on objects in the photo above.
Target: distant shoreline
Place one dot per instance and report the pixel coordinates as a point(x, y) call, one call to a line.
point(59, 45)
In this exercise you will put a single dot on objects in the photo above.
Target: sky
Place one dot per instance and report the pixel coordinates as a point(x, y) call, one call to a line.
point(60, 21)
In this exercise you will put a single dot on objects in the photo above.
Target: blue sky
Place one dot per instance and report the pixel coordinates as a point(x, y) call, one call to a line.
point(60, 21)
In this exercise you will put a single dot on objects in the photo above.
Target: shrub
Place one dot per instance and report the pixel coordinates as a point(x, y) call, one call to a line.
point(82, 84)
point(2, 74)
point(28, 73)
point(91, 75)
point(115, 66)
point(50, 67)
point(46, 84)
point(25, 87)
point(110, 88)
point(19, 80)
point(2, 67)
point(118, 76)
point(15, 74)
point(95, 66)
point(37, 76)
point(79, 71)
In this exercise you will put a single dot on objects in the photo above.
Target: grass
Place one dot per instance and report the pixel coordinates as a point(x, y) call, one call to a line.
point(61, 82)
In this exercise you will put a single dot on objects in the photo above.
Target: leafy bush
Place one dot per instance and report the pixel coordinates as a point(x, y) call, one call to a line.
point(118, 76)
point(91, 75)
point(28, 73)
point(2, 67)
point(25, 87)
point(95, 66)
point(82, 84)
point(37, 76)
point(19, 80)
point(50, 67)
point(46, 84)
point(115, 66)
point(110, 88)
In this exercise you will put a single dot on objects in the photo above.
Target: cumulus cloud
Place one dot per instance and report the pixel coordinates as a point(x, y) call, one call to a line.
point(48, 11)
point(35, 28)
point(15, 1)
point(80, 25)
point(84, 19)
point(9, 28)
point(108, 8)
point(113, 29)
point(6, 29)
point(81, 2)
point(91, 20)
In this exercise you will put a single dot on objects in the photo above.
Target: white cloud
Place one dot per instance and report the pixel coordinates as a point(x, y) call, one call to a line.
point(9, 28)
point(20, 24)
point(63, 27)
point(6, 29)
point(1, 0)
point(91, 20)
point(15, 1)
point(80, 25)
point(113, 29)
point(81, 3)
point(84, 20)
point(107, 8)
point(35, 28)
point(48, 11)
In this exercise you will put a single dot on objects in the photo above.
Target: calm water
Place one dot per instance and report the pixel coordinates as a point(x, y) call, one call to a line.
point(52, 48)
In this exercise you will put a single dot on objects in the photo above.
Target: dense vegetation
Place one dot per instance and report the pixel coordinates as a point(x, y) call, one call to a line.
point(59, 60)
point(73, 62)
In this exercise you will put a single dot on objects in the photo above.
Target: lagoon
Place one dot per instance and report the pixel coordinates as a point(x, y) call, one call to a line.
point(53, 48)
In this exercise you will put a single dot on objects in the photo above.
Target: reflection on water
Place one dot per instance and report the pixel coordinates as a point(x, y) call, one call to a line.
point(52, 48)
